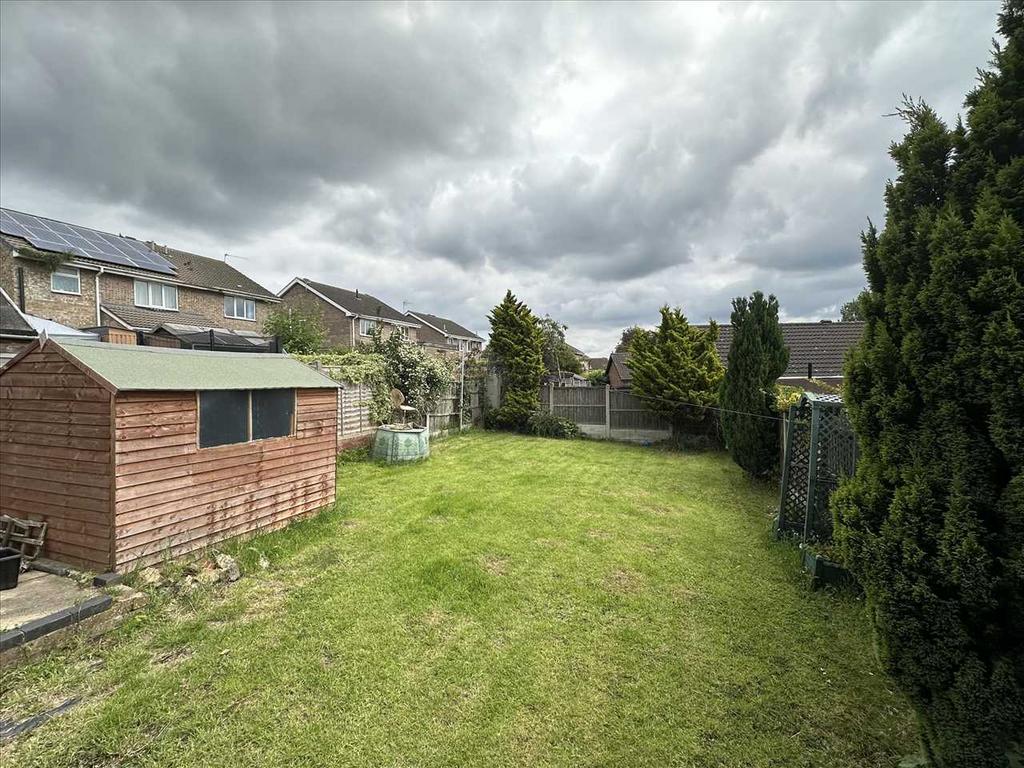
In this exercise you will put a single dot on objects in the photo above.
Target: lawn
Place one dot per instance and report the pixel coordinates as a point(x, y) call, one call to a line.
point(512, 601)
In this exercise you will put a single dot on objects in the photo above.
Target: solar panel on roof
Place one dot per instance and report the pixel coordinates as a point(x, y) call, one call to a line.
point(57, 236)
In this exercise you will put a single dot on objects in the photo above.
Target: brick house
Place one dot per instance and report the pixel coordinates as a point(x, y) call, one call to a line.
point(84, 292)
point(444, 335)
point(349, 316)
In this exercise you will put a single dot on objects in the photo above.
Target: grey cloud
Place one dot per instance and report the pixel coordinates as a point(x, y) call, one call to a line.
point(599, 159)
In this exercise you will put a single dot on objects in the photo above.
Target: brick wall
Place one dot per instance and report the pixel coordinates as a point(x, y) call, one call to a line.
point(76, 311)
point(341, 329)
point(118, 289)
point(80, 311)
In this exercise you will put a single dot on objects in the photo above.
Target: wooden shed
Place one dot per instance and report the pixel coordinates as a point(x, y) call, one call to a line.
point(133, 454)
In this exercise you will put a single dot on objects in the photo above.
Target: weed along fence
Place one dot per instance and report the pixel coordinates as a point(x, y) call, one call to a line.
point(133, 454)
point(606, 412)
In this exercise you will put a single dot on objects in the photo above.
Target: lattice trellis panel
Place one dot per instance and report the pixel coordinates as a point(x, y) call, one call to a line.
point(820, 449)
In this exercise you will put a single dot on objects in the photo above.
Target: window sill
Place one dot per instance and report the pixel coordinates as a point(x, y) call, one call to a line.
point(246, 319)
point(66, 293)
point(159, 309)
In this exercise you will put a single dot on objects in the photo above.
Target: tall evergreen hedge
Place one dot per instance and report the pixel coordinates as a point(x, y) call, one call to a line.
point(757, 358)
point(933, 522)
point(677, 371)
point(516, 349)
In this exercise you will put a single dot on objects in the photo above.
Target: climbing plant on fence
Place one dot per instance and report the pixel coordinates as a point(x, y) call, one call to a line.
point(358, 367)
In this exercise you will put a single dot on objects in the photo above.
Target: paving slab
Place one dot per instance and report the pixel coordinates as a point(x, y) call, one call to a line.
point(39, 595)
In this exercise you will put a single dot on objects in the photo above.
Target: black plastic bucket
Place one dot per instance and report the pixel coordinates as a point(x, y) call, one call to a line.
point(10, 565)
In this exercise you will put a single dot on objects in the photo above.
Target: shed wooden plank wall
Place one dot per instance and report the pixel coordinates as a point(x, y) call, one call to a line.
point(173, 497)
point(55, 462)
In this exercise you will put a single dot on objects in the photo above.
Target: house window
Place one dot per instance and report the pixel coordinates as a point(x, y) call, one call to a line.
point(367, 327)
point(66, 280)
point(239, 308)
point(156, 295)
point(241, 415)
point(404, 330)
point(452, 341)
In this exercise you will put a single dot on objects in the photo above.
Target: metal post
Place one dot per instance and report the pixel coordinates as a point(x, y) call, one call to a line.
point(608, 410)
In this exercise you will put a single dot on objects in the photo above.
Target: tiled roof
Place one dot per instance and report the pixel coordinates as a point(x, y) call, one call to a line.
point(192, 269)
point(359, 303)
point(598, 363)
point(621, 362)
point(443, 324)
point(822, 344)
point(210, 273)
point(141, 319)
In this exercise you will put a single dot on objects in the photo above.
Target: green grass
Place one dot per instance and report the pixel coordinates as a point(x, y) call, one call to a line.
point(512, 601)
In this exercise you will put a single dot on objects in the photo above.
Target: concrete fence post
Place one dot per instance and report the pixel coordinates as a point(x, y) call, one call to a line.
point(551, 397)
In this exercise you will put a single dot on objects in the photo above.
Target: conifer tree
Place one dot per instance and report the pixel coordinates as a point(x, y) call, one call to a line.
point(677, 371)
point(932, 524)
point(757, 357)
point(516, 349)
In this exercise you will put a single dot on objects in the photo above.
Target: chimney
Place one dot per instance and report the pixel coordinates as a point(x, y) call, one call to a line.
point(357, 293)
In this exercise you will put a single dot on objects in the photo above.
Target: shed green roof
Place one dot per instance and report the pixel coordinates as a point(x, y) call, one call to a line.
point(130, 367)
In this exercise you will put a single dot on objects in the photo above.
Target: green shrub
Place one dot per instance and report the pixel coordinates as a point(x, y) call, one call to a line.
point(548, 425)
point(932, 523)
point(508, 418)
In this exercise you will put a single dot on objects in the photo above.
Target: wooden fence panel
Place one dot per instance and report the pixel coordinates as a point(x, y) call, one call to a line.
point(605, 412)
point(584, 405)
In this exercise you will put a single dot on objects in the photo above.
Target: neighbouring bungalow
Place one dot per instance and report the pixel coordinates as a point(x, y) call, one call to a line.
point(445, 335)
point(120, 286)
point(133, 454)
point(597, 364)
point(350, 316)
point(816, 354)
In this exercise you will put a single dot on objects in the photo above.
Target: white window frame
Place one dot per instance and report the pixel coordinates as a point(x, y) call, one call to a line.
point(366, 326)
point(452, 341)
point(149, 295)
point(67, 272)
point(246, 304)
point(404, 330)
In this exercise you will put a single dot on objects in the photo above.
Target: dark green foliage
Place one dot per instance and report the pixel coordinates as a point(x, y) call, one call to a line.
point(854, 310)
point(507, 418)
point(933, 522)
point(628, 334)
point(545, 424)
point(557, 355)
point(677, 371)
point(757, 357)
point(516, 350)
point(300, 330)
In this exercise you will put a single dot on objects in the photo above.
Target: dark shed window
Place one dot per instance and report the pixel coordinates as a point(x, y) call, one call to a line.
point(272, 412)
point(223, 417)
point(238, 416)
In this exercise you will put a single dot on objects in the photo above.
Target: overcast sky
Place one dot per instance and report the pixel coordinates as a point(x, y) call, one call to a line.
point(599, 160)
